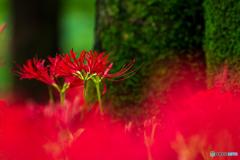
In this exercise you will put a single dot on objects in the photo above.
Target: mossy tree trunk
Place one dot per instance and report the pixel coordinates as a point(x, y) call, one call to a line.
point(35, 32)
point(165, 35)
point(222, 40)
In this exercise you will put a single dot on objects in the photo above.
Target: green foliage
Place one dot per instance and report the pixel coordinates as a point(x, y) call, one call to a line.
point(147, 30)
point(222, 34)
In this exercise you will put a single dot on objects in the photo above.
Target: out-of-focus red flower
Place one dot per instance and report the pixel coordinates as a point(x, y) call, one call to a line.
point(24, 131)
point(63, 132)
point(207, 120)
point(35, 69)
point(99, 142)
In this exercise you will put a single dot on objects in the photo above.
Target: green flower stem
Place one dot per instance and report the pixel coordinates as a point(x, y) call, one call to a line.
point(62, 91)
point(79, 75)
point(51, 94)
point(85, 90)
point(85, 93)
point(99, 97)
point(86, 77)
point(62, 97)
point(97, 80)
point(91, 76)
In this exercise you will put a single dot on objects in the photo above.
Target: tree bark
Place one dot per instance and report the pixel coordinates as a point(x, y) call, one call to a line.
point(165, 35)
point(222, 44)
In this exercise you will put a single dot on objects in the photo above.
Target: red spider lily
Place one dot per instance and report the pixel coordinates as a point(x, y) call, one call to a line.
point(59, 68)
point(97, 65)
point(76, 67)
point(34, 69)
point(2, 27)
point(120, 73)
point(53, 64)
point(73, 81)
point(68, 67)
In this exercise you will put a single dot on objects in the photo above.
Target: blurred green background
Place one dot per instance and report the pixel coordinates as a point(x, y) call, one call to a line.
point(76, 22)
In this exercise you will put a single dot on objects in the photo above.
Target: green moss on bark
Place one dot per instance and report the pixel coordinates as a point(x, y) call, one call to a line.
point(222, 37)
point(151, 31)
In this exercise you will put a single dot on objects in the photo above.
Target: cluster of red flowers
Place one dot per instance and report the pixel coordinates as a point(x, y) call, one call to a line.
point(63, 133)
point(72, 69)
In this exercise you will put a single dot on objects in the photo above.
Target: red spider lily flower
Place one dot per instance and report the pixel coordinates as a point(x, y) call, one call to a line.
point(73, 81)
point(34, 69)
point(97, 64)
point(53, 64)
point(58, 68)
point(120, 73)
point(2, 27)
point(69, 67)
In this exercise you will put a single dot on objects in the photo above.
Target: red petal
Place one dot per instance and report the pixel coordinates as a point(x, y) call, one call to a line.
point(104, 87)
point(108, 69)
